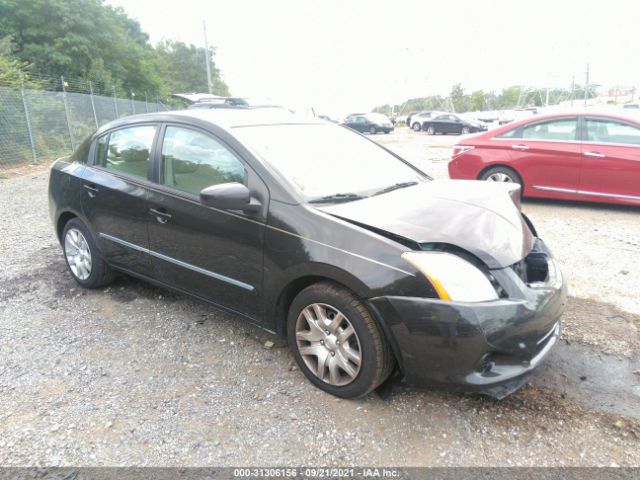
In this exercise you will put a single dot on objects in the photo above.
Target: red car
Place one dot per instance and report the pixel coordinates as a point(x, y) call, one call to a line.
point(571, 156)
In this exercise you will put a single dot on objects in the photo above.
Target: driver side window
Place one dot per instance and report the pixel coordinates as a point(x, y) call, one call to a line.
point(192, 160)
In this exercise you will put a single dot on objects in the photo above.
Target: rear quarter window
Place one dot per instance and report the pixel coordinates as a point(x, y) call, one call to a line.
point(81, 154)
point(513, 133)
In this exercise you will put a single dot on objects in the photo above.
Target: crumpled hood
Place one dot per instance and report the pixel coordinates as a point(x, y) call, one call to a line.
point(479, 217)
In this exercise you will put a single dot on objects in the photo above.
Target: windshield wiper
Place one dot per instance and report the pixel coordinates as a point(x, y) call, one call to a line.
point(338, 197)
point(395, 187)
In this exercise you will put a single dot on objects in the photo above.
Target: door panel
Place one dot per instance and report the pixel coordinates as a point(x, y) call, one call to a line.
point(212, 253)
point(611, 158)
point(115, 196)
point(444, 124)
point(548, 156)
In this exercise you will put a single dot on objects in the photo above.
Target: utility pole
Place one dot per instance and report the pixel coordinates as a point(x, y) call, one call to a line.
point(546, 100)
point(586, 86)
point(206, 57)
point(573, 88)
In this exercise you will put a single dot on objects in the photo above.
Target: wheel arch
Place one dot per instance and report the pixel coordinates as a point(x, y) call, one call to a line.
point(302, 279)
point(63, 219)
point(288, 293)
point(499, 165)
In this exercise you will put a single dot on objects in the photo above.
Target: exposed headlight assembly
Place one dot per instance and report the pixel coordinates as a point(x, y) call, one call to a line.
point(453, 277)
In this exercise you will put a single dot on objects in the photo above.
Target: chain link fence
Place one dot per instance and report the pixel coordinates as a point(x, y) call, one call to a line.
point(38, 125)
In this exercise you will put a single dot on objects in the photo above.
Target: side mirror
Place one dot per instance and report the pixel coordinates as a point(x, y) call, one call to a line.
point(229, 196)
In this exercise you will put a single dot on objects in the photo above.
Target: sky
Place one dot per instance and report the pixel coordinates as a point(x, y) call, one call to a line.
point(344, 56)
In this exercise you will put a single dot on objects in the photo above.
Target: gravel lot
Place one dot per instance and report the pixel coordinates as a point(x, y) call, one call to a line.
point(133, 375)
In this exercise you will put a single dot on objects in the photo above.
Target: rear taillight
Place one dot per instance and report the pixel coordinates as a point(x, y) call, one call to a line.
point(460, 149)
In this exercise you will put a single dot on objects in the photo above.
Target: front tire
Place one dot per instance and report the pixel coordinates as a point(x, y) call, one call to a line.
point(465, 130)
point(83, 259)
point(416, 127)
point(336, 342)
point(431, 130)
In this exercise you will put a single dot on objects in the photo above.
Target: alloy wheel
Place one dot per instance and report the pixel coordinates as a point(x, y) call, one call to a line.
point(78, 253)
point(328, 344)
point(499, 177)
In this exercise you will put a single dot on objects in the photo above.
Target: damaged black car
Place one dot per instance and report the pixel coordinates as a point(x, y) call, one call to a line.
point(316, 233)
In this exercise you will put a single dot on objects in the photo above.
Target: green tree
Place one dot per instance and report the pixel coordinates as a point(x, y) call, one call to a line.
point(459, 99)
point(184, 70)
point(11, 68)
point(477, 101)
point(86, 39)
point(384, 109)
point(509, 97)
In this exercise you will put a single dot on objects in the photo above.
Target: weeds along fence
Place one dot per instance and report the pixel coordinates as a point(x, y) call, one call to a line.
point(37, 125)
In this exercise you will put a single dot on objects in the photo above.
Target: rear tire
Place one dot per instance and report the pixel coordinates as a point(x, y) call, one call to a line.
point(501, 175)
point(319, 317)
point(85, 263)
point(372, 130)
point(465, 130)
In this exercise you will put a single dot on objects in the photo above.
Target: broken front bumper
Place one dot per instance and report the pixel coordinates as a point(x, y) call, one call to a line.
point(490, 347)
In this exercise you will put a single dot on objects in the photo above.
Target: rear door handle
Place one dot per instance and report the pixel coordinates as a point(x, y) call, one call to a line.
point(594, 154)
point(162, 216)
point(92, 190)
point(519, 147)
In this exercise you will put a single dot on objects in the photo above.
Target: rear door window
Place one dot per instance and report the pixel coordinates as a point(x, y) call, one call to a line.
point(562, 129)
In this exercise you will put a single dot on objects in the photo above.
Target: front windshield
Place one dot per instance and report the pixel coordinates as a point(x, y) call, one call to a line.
point(327, 162)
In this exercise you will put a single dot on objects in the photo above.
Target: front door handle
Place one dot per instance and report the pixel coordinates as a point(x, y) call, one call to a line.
point(92, 190)
point(519, 147)
point(162, 216)
point(594, 154)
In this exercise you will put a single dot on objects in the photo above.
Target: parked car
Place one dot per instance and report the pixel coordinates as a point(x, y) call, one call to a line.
point(420, 119)
point(570, 156)
point(451, 123)
point(207, 100)
point(369, 123)
point(410, 116)
point(220, 102)
point(312, 231)
point(490, 116)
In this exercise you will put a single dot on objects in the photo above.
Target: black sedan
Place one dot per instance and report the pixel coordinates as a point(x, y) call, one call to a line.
point(368, 123)
point(450, 123)
point(314, 232)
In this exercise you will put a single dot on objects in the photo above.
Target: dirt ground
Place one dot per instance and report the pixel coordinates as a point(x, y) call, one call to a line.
point(132, 375)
